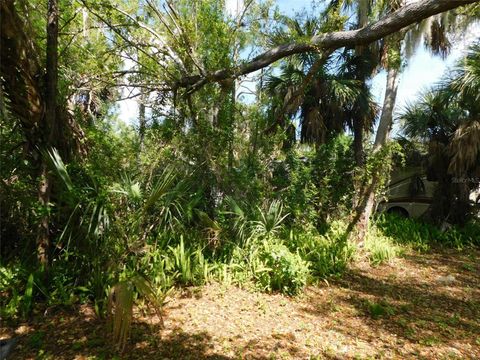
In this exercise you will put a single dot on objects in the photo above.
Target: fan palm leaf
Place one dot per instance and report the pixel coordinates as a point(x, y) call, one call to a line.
point(465, 148)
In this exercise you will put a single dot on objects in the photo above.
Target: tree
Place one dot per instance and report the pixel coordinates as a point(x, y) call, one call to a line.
point(324, 87)
point(447, 119)
point(397, 18)
point(50, 130)
point(397, 48)
point(391, 23)
point(41, 102)
point(35, 107)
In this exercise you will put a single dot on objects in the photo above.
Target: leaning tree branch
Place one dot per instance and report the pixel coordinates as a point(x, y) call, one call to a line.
point(391, 23)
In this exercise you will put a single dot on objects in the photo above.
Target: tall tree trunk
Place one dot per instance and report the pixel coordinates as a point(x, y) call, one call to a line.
point(49, 130)
point(358, 120)
point(367, 202)
point(358, 130)
point(231, 133)
point(386, 119)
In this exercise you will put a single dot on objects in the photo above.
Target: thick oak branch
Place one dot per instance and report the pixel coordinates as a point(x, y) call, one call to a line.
point(397, 20)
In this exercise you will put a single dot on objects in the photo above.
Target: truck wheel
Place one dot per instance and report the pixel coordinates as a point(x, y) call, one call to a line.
point(399, 211)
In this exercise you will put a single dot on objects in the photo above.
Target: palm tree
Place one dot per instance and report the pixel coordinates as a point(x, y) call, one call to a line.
point(325, 97)
point(395, 49)
point(465, 86)
point(447, 119)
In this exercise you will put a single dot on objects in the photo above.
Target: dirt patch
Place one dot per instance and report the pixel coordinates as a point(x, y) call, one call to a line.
point(421, 306)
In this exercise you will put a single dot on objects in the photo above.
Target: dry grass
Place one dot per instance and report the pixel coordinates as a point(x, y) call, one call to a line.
point(418, 307)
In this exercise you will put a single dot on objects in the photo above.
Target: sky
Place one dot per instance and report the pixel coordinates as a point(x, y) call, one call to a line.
point(422, 70)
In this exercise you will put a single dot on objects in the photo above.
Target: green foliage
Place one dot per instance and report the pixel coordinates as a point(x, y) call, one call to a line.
point(269, 222)
point(36, 339)
point(379, 309)
point(183, 263)
point(317, 186)
point(380, 248)
point(421, 236)
point(282, 270)
point(380, 164)
point(334, 170)
point(328, 253)
point(13, 287)
point(142, 211)
point(295, 177)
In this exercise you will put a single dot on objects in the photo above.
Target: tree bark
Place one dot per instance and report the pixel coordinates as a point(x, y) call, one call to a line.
point(20, 71)
point(386, 119)
point(367, 203)
point(357, 118)
point(397, 20)
point(49, 131)
point(358, 142)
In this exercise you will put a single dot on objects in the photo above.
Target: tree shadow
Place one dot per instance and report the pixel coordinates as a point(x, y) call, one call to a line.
point(463, 265)
point(148, 344)
point(415, 311)
point(274, 346)
point(70, 335)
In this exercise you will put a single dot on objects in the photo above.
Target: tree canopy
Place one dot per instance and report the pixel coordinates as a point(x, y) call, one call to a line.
point(258, 153)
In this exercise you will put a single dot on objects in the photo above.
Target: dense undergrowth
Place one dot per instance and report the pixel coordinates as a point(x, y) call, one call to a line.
point(271, 257)
point(274, 229)
point(135, 236)
point(266, 189)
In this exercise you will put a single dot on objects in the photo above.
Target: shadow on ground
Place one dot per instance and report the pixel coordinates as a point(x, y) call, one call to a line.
point(402, 310)
point(419, 308)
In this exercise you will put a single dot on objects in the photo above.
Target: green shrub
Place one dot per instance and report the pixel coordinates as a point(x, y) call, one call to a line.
point(19, 289)
point(156, 265)
point(420, 235)
point(285, 271)
point(269, 221)
point(459, 237)
point(190, 266)
point(404, 231)
point(328, 253)
point(380, 248)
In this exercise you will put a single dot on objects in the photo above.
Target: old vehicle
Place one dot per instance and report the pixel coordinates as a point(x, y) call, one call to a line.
point(409, 193)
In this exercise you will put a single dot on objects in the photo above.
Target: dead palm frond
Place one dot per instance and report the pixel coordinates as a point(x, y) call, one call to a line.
point(120, 307)
point(465, 148)
point(436, 33)
point(211, 227)
point(120, 312)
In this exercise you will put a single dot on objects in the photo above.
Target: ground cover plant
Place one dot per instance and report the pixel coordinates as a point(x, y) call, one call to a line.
point(186, 227)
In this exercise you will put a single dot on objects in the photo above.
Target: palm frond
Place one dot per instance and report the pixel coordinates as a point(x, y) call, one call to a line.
point(120, 310)
point(465, 148)
point(60, 168)
point(160, 188)
point(270, 221)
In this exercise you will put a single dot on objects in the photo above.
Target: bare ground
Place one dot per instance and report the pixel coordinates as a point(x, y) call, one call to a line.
point(421, 306)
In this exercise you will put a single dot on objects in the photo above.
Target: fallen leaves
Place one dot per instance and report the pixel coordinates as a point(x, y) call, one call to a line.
point(421, 306)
